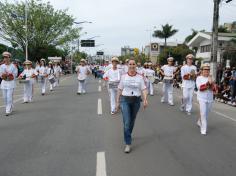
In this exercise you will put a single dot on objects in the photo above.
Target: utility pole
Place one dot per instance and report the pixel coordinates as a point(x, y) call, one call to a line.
point(26, 30)
point(214, 41)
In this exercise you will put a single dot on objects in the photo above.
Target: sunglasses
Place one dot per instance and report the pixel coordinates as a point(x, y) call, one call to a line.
point(6, 57)
point(206, 69)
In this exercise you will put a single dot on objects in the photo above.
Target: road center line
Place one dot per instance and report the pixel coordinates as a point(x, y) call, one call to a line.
point(99, 81)
point(101, 164)
point(99, 88)
point(99, 106)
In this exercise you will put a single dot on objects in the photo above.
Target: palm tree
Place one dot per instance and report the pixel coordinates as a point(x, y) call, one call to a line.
point(165, 33)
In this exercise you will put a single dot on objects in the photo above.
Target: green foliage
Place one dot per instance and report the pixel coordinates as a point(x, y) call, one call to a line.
point(165, 33)
point(222, 29)
point(16, 53)
point(47, 27)
point(77, 56)
point(179, 53)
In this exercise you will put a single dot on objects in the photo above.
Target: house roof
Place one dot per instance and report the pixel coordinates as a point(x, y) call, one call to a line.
point(197, 39)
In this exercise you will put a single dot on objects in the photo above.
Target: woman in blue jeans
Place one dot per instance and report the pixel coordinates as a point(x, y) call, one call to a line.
point(130, 89)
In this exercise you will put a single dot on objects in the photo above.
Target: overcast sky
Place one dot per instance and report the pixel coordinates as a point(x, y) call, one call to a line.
point(128, 22)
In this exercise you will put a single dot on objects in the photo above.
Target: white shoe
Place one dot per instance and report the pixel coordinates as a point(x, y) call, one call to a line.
point(203, 133)
point(171, 104)
point(112, 112)
point(127, 149)
point(234, 104)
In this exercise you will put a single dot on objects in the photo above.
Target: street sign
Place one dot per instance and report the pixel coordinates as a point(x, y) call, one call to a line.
point(100, 53)
point(87, 43)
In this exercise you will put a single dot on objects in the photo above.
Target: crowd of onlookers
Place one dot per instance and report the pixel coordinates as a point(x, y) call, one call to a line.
point(226, 81)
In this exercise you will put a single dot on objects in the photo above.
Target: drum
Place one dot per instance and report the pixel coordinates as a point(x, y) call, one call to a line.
point(168, 80)
point(113, 85)
point(151, 79)
point(23, 81)
point(51, 79)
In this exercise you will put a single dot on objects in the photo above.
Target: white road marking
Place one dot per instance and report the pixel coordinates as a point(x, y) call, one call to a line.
point(100, 81)
point(99, 106)
point(225, 116)
point(99, 88)
point(101, 164)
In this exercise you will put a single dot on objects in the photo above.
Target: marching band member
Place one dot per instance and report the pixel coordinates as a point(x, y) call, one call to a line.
point(140, 69)
point(113, 76)
point(168, 71)
point(130, 88)
point(42, 75)
point(28, 74)
point(188, 74)
point(82, 72)
point(58, 72)
point(150, 75)
point(205, 87)
point(8, 73)
point(51, 75)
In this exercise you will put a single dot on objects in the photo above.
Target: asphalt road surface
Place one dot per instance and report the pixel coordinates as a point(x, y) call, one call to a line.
point(64, 134)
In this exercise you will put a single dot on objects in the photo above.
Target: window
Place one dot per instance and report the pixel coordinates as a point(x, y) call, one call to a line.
point(205, 48)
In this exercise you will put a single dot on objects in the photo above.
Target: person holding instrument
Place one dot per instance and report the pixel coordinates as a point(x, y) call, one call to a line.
point(130, 89)
point(205, 86)
point(188, 74)
point(8, 73)
point(168, 72)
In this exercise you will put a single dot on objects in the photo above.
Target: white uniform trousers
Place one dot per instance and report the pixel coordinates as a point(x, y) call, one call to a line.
point(167, 93)
point(8, 99)
point(113, 95)
point(188, 99)
point(28, 92)
point(56, 84)
point(82, 86)
point(43, 84)
point(150, 88)
point(51, 86)
point(205, 108)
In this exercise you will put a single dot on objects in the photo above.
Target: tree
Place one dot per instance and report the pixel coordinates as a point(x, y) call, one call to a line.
point(222, 29)
point(165, 33)
point(46, 26)
point(179, 53)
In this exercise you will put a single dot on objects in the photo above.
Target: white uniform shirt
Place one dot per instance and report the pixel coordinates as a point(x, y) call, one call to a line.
point(57, 70)
point(140, 70)
point(168, 70)
point(82, 72)
point(207, 95)
point(149, 72)
point(186, 69)
point(42, 71)
point(8, 69)
point(113, 75)
point(132, 85)
point(29, 73)
point(126, 68)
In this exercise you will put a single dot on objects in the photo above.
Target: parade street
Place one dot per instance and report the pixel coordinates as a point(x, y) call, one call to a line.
point(64, 134)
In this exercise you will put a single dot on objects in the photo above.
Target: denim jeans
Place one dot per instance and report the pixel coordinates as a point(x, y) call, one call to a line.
point(129, 108)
